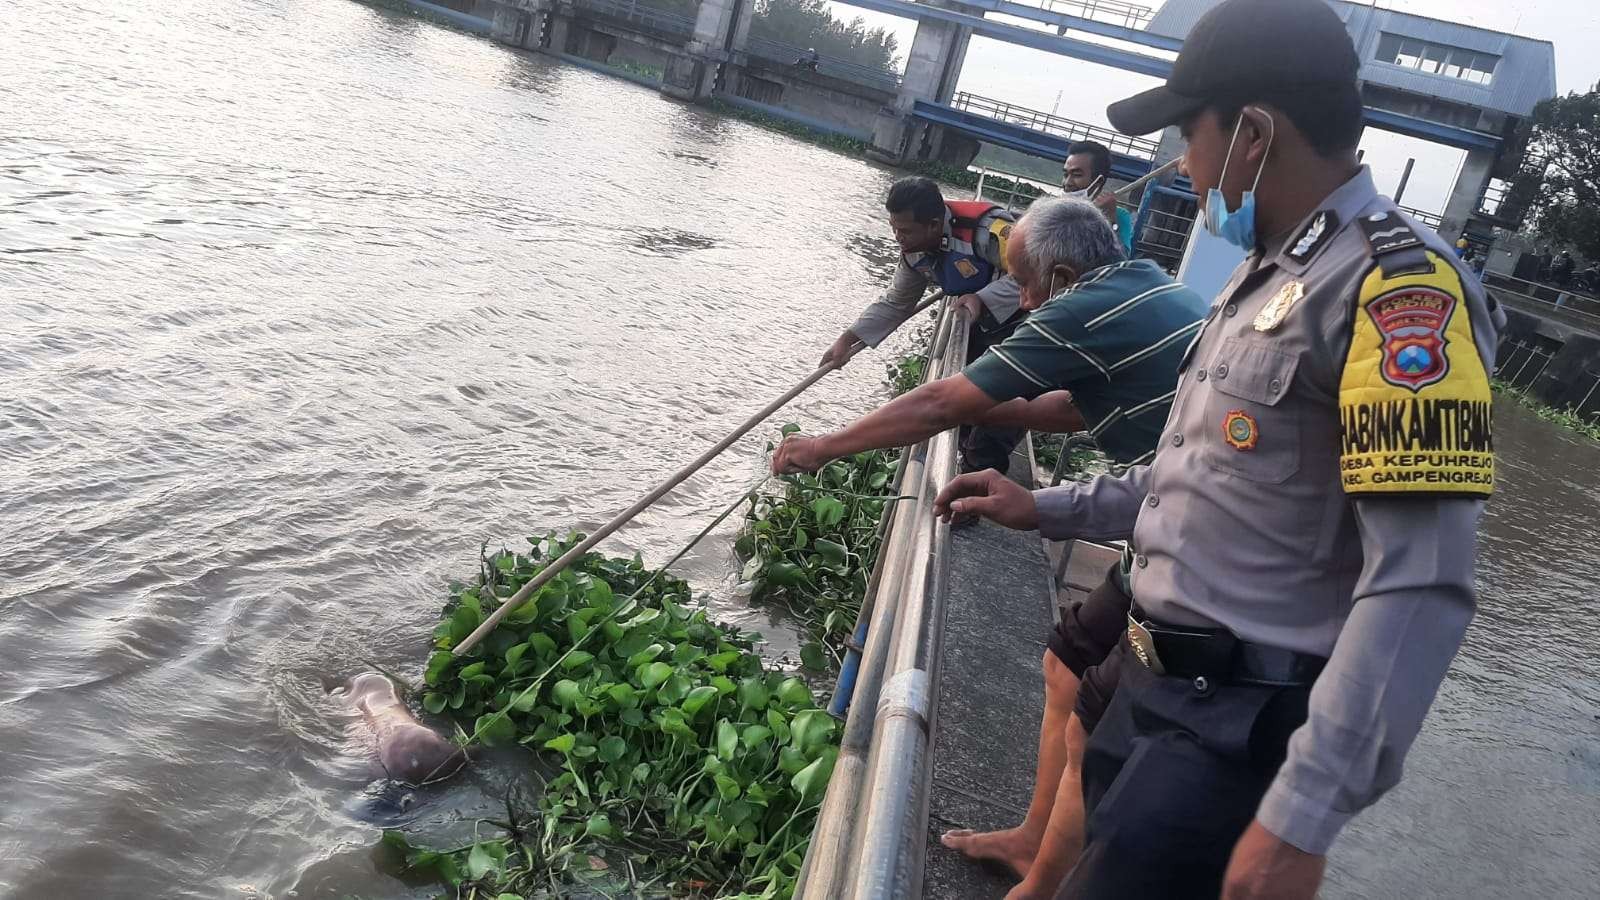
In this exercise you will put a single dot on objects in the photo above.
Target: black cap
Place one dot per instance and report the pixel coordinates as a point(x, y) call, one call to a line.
point(1240, 46)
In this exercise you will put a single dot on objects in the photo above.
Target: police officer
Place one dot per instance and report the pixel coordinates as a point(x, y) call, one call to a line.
point(1305, 535)
point(959, 245)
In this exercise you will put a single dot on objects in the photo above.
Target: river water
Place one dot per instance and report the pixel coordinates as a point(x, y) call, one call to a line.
point(302, 300)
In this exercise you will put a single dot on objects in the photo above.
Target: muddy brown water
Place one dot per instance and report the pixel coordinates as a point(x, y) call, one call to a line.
point(301, 300)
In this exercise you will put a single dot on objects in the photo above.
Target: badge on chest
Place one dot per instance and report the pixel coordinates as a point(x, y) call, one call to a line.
point(1277, 309)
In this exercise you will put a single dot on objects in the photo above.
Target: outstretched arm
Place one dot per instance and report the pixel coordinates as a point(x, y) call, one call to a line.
point(1002, 297)
point(908, 419)
point(1102, 509)
point(1053, 413)
point(880, 319)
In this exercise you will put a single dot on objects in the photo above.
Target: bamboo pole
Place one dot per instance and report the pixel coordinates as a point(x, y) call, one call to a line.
point(604, 531)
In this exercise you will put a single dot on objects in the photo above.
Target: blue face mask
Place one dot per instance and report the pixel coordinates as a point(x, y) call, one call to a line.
point(1237, 227)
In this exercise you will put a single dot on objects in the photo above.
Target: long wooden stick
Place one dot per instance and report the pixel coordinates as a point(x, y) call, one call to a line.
point(1141, 181)
point(660, 490)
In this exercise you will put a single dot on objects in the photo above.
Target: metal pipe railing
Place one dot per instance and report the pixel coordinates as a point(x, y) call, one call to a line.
point(867, 841)
point(826, 866)
point(1560, 296)
point(844, 689)
point(780, 52)
point(885, 860)
point(1050, 123)
point(641, 13)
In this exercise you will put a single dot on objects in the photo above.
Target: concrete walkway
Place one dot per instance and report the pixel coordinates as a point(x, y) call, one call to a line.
point(991, 695)
point(1003, 603)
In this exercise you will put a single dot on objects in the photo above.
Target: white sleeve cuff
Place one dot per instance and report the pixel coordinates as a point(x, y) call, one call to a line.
point(1298, 820)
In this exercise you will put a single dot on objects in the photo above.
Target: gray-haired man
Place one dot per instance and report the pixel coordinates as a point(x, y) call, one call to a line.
point(1100, 350)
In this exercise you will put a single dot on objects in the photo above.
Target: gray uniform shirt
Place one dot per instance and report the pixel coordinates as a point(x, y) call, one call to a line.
point(1002, 296)
point(1244, 520)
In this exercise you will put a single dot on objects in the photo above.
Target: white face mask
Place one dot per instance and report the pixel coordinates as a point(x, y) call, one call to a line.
point(1090, 192)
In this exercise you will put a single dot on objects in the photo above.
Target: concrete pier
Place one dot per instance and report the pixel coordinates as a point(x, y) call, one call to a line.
point(1466, 195)
point(933, 68)
point(719, 26)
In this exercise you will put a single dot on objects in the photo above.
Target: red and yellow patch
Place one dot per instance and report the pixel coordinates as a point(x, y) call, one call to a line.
point(1414, 405)
point(1239, 430)
point(966, 268)
point(1411, 322)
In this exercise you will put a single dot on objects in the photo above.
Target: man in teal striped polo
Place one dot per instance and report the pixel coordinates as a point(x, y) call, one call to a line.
point(1099, 350)
point(1107, 330)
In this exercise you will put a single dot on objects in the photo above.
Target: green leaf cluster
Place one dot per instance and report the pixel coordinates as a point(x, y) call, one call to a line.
point(671, 746)
point(1081, 460)
point(1569, 418)
point(811, 545)
point(810, 23)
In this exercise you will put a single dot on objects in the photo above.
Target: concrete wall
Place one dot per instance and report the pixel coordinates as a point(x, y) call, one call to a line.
point(933, 64)
point(1566, 380)
point(1465, 195)
point(848, 107)
point(595, 41)
point(692, 74)
point(609, 44)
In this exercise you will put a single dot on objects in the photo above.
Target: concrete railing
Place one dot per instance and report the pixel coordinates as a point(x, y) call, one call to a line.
point(869, 841)
point(1049, 123)
point(1545, 295)
point(789, 54)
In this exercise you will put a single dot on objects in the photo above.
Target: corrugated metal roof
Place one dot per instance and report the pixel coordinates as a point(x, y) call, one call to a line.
point(1525, 75)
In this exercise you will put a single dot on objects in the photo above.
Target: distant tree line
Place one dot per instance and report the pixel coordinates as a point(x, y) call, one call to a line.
point(1561, 189)
point(808, 23)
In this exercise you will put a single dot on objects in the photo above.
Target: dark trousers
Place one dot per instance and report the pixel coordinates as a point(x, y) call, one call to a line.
point(1088, 640)
point(1172, 775)
point(989, 448)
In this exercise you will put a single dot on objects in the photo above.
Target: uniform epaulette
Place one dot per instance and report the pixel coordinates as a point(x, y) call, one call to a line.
point(1395, 247)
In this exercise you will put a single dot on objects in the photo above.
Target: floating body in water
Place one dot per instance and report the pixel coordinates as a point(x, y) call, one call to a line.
point(407, 750)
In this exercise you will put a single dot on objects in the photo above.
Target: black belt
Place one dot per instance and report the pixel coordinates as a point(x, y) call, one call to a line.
point(1216, 653)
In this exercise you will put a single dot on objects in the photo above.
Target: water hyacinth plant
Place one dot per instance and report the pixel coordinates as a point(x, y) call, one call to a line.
point(679, 761)
point(1568, 418)
point(811, 545)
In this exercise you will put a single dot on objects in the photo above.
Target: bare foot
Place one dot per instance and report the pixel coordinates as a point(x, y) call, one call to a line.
point(1013, 848)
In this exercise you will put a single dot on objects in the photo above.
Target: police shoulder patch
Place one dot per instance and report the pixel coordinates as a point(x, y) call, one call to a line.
point(1414, 401)
point(1001, 230)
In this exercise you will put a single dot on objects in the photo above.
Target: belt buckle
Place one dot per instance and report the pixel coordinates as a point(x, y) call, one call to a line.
point(1143, 645)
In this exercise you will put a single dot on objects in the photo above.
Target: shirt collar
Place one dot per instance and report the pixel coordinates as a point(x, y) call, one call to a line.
point(1110, 270)
point(1307, 240)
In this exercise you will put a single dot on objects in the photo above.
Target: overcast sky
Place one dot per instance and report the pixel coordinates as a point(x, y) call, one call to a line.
point(1041, 80)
